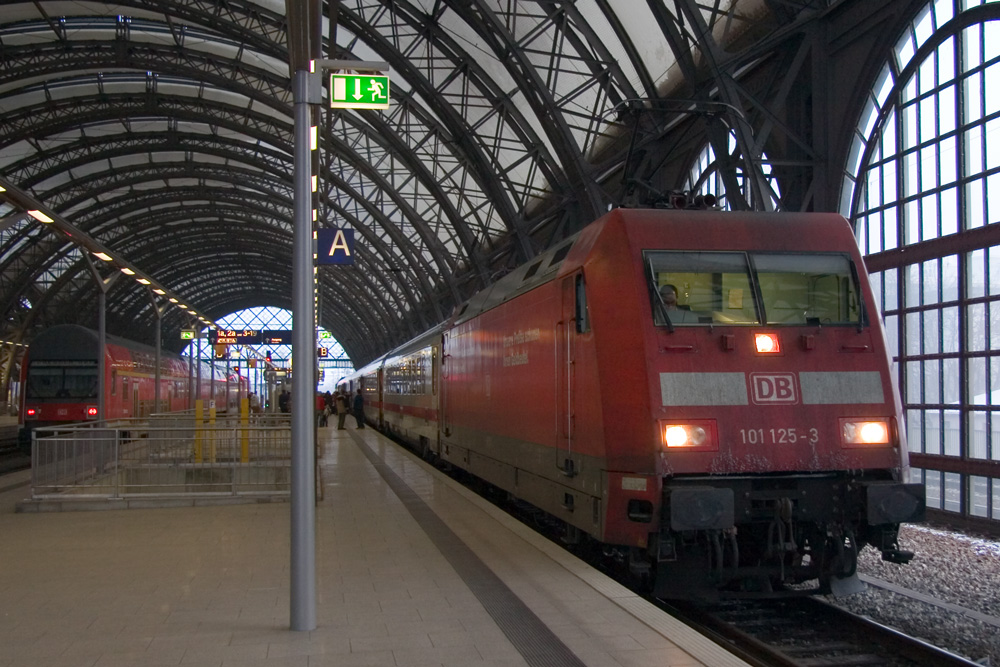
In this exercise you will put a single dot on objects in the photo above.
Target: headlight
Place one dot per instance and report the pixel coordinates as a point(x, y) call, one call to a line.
point(767, 343)
point(692, 435)
point(858, 432)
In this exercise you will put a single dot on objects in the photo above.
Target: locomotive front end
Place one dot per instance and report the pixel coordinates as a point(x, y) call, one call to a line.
point(780, 433)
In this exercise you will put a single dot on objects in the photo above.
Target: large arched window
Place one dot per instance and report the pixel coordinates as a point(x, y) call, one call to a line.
point(332, 368)
point(923, 189)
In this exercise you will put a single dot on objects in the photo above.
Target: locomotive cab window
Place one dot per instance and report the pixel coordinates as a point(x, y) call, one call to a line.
point(710, 288)
point(700, 288)
point(69, 379)
point(807, 289)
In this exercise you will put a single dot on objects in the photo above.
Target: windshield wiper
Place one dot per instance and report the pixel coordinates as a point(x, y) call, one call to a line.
point(662, 307)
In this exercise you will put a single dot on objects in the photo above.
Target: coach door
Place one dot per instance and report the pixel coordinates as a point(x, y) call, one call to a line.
point(572, 322)
point(444, 427)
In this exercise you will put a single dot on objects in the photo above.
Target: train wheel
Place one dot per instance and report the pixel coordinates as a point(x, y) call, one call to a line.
point(847, 556)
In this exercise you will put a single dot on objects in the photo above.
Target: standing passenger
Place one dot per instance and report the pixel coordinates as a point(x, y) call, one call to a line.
point(341, 401)
point(320, 409)
point(359, 409)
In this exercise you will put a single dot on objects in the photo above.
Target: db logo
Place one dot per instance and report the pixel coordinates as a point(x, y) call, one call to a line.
point(774, 388)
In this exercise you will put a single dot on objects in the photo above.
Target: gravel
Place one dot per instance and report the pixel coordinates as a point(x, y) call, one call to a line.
point(952, 567)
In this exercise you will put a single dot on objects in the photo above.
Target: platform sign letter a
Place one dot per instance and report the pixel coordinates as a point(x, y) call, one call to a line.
point(335, 246)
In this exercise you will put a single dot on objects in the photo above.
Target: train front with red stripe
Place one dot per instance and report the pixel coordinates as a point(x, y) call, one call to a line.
point(706, 395)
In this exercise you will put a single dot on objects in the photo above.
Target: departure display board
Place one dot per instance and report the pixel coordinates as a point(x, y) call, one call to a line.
point(234, 336)
point(250, 337)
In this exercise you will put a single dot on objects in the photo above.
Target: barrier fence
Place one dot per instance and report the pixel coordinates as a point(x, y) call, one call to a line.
point(164, 455)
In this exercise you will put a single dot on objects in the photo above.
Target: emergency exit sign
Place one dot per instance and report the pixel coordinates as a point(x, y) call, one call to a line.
point(359, 91)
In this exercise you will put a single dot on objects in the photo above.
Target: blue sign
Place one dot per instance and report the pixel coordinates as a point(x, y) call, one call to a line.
point(335, 246)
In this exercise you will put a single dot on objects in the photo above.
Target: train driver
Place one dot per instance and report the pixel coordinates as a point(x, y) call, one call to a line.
point(677, 314)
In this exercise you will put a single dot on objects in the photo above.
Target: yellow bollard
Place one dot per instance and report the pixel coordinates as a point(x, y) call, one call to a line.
point(245, 433)
point(211, 432)
point(198, 431)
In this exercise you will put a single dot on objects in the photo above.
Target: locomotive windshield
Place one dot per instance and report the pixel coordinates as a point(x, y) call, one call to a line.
point(705, 288)
point(64, 379)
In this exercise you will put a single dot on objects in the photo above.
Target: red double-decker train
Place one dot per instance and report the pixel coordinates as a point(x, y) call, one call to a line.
point(705, 395)
point(59, 380)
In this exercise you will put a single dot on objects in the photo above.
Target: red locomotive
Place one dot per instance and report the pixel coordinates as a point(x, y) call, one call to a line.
point(707, 395)
point(59, 380)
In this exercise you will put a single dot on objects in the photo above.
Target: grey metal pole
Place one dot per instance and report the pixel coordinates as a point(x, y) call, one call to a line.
point(102, 342)
point(197, 369)
point(211, 377)
point(190, 401)
point(156, 393)
point(303, 537)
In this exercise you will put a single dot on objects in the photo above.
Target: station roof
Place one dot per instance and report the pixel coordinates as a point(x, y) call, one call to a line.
point(163, 131)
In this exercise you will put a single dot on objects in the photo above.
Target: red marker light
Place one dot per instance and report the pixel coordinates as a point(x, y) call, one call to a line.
point(92, 411)
point(31, 412)
point(767, 343)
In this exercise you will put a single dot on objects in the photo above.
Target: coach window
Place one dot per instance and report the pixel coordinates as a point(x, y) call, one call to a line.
point(114, 383)
point(582, 315)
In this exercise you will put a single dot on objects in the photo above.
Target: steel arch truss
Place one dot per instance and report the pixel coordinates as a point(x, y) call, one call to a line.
point(163, 129)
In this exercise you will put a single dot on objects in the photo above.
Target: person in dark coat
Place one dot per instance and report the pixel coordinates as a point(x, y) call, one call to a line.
point(359, 409)
point(340, 400)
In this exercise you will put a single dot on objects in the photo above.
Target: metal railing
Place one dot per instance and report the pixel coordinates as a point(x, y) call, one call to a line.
point(165, 455)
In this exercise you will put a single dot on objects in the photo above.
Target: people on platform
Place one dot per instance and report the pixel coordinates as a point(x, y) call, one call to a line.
point(340, 400)
point(359, 408)
point(284, 401)
point(254, 403)
point(321, 412)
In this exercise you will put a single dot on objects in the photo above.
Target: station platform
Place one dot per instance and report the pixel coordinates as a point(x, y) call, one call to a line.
point(412, 570)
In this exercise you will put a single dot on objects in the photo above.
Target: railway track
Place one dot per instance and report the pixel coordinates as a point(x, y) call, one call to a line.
point(807, 632)
point(11, 458)
point(8, 438)
point(787, 632)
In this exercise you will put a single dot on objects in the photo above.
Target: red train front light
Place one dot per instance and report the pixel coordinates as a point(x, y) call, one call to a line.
point(91, 411)
point(31, 413)
point(767, 343)
point(695, 435)
point(864, 432)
